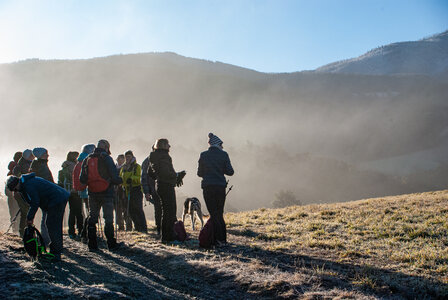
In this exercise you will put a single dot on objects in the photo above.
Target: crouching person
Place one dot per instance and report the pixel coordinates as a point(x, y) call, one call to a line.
point(99, 173)
point(51, 198)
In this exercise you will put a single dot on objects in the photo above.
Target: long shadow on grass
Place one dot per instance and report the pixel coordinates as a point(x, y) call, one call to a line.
point(152, 276)
point(379, 281)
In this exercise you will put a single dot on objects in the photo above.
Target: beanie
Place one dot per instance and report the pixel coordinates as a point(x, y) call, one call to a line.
point(27, 154)
point(88, 148)
point(213, 140)
point(39, 152)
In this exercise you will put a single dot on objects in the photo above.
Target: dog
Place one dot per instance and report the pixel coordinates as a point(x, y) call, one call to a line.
point(192, 206)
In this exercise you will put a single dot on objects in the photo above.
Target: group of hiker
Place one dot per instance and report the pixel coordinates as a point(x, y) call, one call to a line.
point(92, 180)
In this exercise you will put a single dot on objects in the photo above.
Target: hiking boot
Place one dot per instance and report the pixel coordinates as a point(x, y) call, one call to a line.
point(50, 257)
point(84, 240)
point(72, 236)
point(93, 249)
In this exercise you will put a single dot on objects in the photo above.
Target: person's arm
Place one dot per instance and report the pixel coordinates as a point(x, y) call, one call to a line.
point(34, 201)
point(228, 169)
point(113, 172)
point(200, 167)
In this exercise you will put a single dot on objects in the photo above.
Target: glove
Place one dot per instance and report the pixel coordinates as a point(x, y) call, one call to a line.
point(180, 177)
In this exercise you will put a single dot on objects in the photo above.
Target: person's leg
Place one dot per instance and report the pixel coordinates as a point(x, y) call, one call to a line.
point(212, 207)
point(86, 221)
point(140, 218)
point(220, 194)
point(13, 209)
point(78, 212)
point(95, 206)
point(108, 214)
point(24, 207)
point(158, 213)
point(55, 216)
point(71, 216)
point(166, 194)
point(44, 229)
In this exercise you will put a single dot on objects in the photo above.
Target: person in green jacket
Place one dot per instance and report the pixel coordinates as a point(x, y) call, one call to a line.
point(130, 173)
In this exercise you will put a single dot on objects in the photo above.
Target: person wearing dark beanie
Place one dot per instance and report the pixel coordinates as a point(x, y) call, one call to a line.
point(213, 165)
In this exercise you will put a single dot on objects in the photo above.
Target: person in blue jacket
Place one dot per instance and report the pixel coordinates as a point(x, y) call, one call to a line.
point(213, 165)
point(51, 198)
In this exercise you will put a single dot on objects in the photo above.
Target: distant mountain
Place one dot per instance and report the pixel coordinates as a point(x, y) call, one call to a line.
point(428, 56)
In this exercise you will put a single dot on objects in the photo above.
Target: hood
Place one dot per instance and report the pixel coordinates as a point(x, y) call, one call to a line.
point(26, 177)
point(82, 156)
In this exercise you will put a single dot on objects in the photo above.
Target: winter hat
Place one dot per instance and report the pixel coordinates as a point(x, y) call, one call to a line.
point(213, 140)
point(72, 155)
point(162, 144)
point(39, 152)
point(129, 152)
point(12, 182)
point(88, 148)
point(27, 154)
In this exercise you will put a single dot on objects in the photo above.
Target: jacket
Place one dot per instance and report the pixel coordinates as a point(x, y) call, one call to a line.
point(161, 167)
point(213, 165)
point(65, 175)
point(107, 170)
point(148, 183)
point(133, 173)
point(40, 167)
point(39, 192)
point(23, 167)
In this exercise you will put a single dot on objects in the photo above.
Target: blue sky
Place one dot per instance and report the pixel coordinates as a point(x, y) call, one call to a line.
point(268, 36)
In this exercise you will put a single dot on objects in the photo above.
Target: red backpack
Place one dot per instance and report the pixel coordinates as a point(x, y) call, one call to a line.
point(77, 185)
point(207, 235)
point(179, 231)
point(95, 182)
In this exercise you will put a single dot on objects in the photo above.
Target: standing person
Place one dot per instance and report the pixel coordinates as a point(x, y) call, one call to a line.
point(51, 198)
point(65, 180)
point(81, 189)
point(148, 185)
point(120, 204)
point(161, 169)
point(100, 174)
point(39, 166)
point(213, 165)
point(130, 173)
point(23, 167)
point(12, 202)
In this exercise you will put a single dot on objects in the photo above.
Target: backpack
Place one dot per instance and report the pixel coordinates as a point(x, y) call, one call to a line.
point(34, 243)
point(179, 231)
point(95, 181)
point(207, 235)
point(77, 185)
point(64, 179)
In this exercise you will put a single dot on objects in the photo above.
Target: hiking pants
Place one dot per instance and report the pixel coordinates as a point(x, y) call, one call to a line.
point(157, 211)
point(85, 202)
point(136, 209)
point(120, 206)
point(44, 229)
point(95, 203)
point(24, 207)
point(215, 197)
point(75, 214)
point(13, 209)
point(168, 201)
point(55, 216)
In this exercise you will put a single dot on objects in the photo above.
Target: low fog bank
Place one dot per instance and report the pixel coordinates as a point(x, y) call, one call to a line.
point(324, 137)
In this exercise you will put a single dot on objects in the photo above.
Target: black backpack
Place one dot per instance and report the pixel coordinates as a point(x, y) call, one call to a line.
point(34, 244)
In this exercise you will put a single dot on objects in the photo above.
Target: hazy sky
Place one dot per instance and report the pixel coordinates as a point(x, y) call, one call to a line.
point(268, 36)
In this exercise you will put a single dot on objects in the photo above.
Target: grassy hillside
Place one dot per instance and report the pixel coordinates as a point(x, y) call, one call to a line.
point(394, 247)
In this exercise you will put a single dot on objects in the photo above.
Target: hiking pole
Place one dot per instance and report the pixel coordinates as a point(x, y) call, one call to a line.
point(116, 216)
point(13, 221)
point(230, 188)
